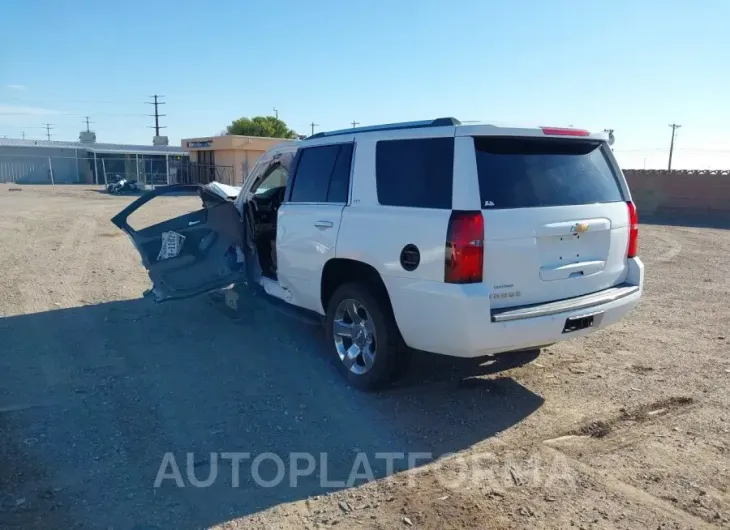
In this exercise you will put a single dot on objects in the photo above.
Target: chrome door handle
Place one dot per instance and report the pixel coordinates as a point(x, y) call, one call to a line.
point(323, 224)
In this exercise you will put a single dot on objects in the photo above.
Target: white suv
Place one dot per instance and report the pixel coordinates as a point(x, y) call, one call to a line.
point(464, 240)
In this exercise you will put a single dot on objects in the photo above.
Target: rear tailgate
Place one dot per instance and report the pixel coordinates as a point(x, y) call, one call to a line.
point(555, 218)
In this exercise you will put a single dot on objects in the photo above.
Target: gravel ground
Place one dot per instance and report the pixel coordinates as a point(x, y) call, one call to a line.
point(627, 428)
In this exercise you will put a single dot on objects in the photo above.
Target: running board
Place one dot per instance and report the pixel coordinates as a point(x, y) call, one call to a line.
point(561, 306)
point(274, 288)
point(302, 315)
point(278, 298)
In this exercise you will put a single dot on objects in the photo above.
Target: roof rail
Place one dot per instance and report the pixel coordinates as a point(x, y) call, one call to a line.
point(438, 122)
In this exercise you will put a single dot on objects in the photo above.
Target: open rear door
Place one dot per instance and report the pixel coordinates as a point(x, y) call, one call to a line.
point(192, 254)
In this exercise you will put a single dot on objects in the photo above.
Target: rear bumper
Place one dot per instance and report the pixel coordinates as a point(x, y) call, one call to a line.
point(588, 301)
point(456, 319)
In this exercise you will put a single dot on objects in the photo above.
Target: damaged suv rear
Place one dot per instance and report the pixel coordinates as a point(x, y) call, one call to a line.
point(462, 240)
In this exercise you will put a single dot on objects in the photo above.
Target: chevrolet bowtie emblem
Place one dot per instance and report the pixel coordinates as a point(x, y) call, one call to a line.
point(579, 228)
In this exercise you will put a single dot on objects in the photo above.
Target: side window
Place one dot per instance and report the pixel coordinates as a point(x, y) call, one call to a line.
point(340, 181)
point(322, 174)
point(281, 161)
point(416, 173)
point(276, 178)
point(256, 171)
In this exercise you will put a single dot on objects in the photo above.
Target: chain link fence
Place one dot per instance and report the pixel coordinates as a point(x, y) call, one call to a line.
point(195, 173)
point(102, 169)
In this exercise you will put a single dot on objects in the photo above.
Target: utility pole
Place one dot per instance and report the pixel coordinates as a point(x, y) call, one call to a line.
point(674, 127)
point(313, 126)
point(49, 126)
point(611, 137)
point(355, 123)
point(276, 113)
point(157, 115)
point(22, 133)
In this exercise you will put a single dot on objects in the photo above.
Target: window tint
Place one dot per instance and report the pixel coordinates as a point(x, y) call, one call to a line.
point(276, 178)
point(282, 160)
point(416, 173)
point(532, 172)
point(322, 174)
point(340, 182)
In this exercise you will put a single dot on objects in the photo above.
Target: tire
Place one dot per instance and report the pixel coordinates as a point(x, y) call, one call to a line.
point(390, 354)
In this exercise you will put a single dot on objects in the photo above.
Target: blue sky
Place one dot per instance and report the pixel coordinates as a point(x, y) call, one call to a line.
point(634, 66)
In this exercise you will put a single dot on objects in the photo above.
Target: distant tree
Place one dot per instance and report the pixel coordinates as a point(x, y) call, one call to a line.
point(268, 126)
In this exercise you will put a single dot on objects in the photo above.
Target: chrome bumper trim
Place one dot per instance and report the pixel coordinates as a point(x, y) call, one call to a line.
point(561, 306)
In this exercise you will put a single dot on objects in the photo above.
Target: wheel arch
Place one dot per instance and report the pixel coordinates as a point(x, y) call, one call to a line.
point(338, 271)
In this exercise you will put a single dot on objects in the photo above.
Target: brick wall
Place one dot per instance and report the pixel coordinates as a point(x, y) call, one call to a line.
point(693, 193)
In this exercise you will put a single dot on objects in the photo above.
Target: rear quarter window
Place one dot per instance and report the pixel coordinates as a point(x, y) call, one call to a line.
point(533, 172)
point(417, 173)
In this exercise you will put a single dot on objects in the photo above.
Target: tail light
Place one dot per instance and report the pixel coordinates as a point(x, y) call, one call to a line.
point(465, 248)
point(633, 231)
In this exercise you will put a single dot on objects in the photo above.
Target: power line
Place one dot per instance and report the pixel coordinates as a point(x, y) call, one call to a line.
point(30, 113)
point(674, 127)
point(643, 150)
point(157, 115)
point(661, 150)
point(48, 126)
point(9, 125)
point(125, 114)
point(313, 125)
point(63, 100)
point(703, 151)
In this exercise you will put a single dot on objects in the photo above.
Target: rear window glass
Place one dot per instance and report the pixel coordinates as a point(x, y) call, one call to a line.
point(532, 172)
point(416, 173)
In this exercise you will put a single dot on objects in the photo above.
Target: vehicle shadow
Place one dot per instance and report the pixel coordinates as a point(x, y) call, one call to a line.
point(104, 392)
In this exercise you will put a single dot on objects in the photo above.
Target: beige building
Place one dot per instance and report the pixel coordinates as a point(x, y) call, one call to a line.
point(231, 156)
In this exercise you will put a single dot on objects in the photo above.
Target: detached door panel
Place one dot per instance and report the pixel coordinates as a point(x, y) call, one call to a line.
point(191, 254)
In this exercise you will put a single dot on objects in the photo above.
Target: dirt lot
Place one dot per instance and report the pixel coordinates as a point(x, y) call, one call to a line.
point(629, 428)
